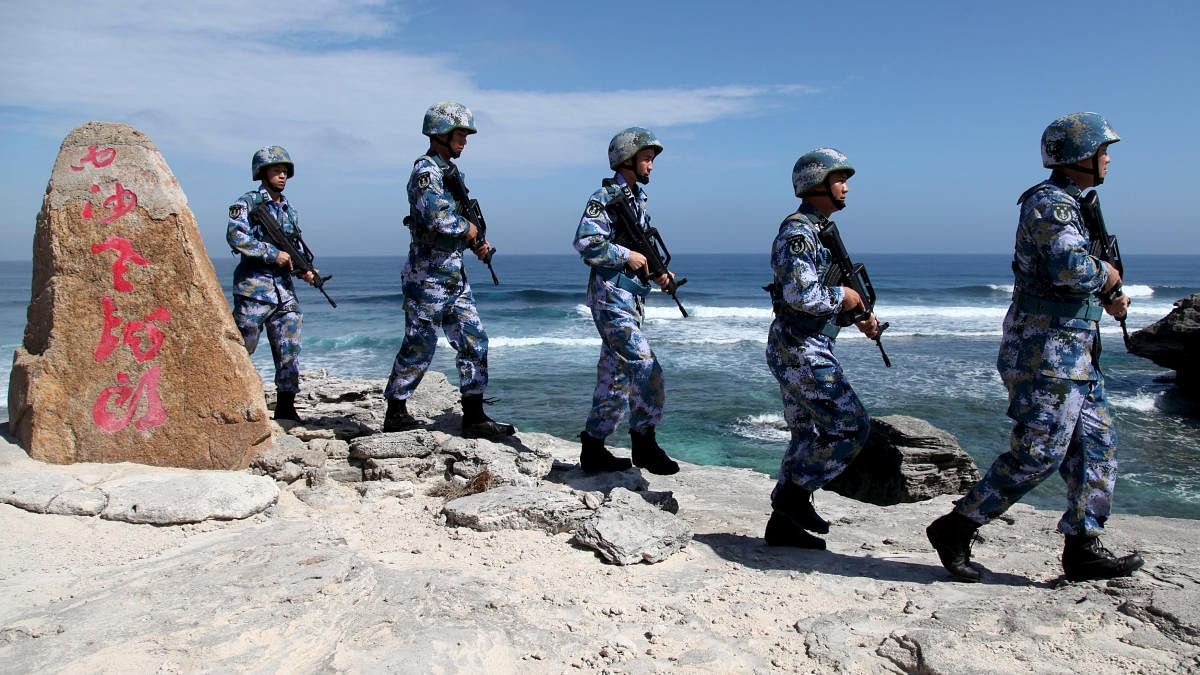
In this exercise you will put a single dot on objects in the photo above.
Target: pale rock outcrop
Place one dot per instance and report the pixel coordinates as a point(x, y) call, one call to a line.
point(130, 351)
point(627, 529)
point(518, 507)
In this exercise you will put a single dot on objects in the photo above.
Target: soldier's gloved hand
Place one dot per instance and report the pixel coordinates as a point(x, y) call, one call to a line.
point(869, 326)
point(664, 281)
point(851, 300)
point(1118, 308)
point(284, 260)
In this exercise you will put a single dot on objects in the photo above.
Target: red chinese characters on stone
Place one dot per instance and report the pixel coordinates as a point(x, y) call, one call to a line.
point(143, 337)
point(116, 406)
point(121, 202)
point(125, 254)
point(97, 158)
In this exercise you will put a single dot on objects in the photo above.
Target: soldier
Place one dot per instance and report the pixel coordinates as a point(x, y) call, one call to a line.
point(262, 281)
point(436, 291)
point(1049, 361)
point(828, 423)
point(628, 372)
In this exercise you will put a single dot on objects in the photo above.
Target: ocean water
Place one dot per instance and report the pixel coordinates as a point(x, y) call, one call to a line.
point(723, 405)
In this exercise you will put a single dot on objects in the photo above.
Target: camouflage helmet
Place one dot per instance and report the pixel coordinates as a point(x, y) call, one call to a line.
point(266, 157)
point(629, 142)
point(446, 116)
point(814, 167)
point(1074, 138)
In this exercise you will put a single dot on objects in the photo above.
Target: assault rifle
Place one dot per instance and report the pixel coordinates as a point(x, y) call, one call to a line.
point(646, 241)
point(301, 262)
point(1104, 246)
point(469, 208)
point(844, 272)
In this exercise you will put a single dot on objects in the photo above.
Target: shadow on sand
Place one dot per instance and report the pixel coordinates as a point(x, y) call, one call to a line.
point(753, 552)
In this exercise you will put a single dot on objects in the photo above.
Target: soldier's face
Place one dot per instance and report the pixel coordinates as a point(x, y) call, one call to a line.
point(839, 186)
point(458, 141)
point(643, 164)
point(276, 177)
point(1102, 160)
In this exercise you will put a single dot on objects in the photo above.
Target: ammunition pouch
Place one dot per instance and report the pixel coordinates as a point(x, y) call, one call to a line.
point(799, 321)
point(1083, 308)
point(622, 280)
point(423, 236)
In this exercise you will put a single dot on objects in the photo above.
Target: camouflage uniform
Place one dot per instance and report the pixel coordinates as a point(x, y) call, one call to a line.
point(628, 373)
point(436, 291)
point(262, 290)
point(1049, 361)
point(828, 423)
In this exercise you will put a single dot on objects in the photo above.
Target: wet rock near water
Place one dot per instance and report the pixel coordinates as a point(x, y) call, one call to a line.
point(1174, 342)
point(906, 459)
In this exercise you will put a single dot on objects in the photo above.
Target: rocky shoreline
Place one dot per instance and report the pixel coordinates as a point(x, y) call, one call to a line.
point(432, 553)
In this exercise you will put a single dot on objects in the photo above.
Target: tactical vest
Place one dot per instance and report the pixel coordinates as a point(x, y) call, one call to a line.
point(422, 234)
point(1037, 295)
point(800, 321)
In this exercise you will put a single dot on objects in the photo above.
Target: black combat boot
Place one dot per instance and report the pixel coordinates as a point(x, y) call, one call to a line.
point(476, 423)
point(797, 504)
point(1085, 558)
point(397, 417)
point(951, 537)
point(285, 407)
point(783, 531)
point(647, 454)
point(595, 458)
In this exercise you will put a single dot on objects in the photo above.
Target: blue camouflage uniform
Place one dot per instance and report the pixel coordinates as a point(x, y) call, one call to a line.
point(1049, 361)
point(828, 423)
point(262, 290)
point(628, 373)
point(436, 291)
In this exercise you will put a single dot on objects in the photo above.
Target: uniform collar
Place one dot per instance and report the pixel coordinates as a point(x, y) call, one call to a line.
point(283, 200)
point(812, 212)
point(637, 190)
point(1064, 181)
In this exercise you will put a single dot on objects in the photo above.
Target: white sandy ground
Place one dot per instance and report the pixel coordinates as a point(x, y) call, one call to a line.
point(383, 586)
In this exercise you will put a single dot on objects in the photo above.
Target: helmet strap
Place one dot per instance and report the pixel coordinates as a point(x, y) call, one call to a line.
point(838, 204)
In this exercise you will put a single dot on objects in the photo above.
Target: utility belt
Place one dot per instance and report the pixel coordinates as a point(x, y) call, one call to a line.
point(799, 321)
point(1086, 308)
point(807, 323)
point(425, 237)
point(622, 280)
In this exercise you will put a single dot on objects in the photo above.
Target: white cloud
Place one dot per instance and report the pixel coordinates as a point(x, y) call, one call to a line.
point(223, 76)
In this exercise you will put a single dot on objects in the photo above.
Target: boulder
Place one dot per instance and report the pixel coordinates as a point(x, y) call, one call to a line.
point(288, 459)
point(1173, 342)
point(514, 507)
point(627, 529)
point(130, 352)
point(507, 465)
point(906, 459)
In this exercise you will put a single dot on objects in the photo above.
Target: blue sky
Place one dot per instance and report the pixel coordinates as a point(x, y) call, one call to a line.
point(938, 104)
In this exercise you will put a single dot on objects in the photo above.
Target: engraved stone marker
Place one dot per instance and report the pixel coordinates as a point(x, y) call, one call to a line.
point(130, 350)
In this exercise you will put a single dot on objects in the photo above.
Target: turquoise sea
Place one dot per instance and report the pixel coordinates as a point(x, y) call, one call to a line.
point(723, 405)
